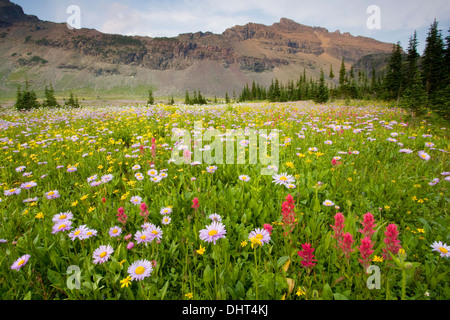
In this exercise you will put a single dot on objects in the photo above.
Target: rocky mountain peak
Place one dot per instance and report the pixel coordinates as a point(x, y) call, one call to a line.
point(11, 13)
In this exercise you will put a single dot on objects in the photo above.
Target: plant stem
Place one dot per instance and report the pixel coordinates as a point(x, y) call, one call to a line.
point(403, 283)
point(437, 264)
point(256, 279)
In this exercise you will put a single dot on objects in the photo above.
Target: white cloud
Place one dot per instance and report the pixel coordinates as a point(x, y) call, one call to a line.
point(123, 20)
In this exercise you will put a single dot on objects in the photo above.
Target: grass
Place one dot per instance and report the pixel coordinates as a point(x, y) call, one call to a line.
point(372, 176)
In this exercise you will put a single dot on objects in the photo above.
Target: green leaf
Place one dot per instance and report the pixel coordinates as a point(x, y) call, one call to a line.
point(208, 274)
point(54, 277)
point(339, 296)
point(27, 296)
point(327, 293)
point(281, 261)
point(239, 290)
point(164, 290)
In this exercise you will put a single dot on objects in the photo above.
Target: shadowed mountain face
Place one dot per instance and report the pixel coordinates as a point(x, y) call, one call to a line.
point(90, 61)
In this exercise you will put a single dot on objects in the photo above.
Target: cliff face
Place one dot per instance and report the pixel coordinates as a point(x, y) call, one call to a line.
point(241, 53)
point(12, 13)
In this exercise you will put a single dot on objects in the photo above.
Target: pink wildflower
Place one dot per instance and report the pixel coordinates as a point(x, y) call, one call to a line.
point(195, 204)
point(127, 237)
point(334, 162)
point(346, 244)
point(144, 210)
point(287, 210)
point(122, 216)
point(187, 156)
point(268, 228)
point(391, 241)
point(338, 226)
point(307, 254)
point(153, 147)
point(365, 250)
point(369, 225)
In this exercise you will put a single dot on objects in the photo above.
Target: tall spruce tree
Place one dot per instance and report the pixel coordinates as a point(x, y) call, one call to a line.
point(342, 79)
point(72, 102)
point(412, 59)
point(433, 60)
point(322, 92)
point(150, 100)
point(50, 100)
point(393, 80)
point(27, 99)
point(447, 57)
point(415, 96)
point(331, 74)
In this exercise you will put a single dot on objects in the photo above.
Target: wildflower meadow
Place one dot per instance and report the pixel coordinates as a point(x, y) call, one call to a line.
point(249, 201)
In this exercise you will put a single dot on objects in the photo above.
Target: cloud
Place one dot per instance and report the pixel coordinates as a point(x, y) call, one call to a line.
point(122, 19)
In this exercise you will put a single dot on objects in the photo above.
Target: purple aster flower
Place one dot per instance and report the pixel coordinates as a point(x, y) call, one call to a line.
point(52, 194)
point(62, 226)
point(140, 269)
point(142, 236)
point(102, 254)
point(136, 200)
point(154, 232)
point(19, 263)
point(28, 185)
point(424, 155)
point(79, 233)
point(107, 178)
point(213, 232)
point(259, 235)
point(90, 233)
point(215, 217)
point(20, 169)
point(62, 216)
point(95, 183)
point(12, 191)
point(115, 231)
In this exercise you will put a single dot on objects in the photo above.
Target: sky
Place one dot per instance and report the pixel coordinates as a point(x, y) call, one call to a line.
point(391, 21)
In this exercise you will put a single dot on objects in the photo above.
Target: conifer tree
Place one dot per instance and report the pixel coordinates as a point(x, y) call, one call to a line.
point(50, 100)
point(150, 100)
point(322, 93)
point(415, 96)
point(412, 59)
point(433, 60)
point(331, 75)
point(393, 80)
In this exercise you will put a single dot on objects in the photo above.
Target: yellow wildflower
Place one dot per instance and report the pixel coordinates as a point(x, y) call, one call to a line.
point(201, 250)
point(300, 292)
point(40, 215)
point(377, 259)
point(125, 282)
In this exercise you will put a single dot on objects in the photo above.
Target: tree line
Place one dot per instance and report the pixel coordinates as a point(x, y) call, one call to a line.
point(418, 82)
point(27, 99)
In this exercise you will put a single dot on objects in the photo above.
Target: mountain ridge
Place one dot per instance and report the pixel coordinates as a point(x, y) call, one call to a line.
point(89, 60)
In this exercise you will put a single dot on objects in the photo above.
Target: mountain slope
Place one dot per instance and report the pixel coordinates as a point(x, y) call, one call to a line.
point(93, 63)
